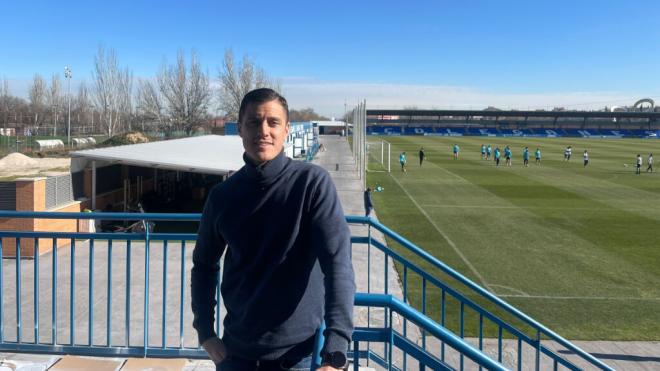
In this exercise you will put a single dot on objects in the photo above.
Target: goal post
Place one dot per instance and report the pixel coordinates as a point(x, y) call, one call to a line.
point(378, 155)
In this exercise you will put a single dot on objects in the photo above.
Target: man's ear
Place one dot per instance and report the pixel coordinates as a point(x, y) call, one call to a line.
point(238, 127)
point(288, 127)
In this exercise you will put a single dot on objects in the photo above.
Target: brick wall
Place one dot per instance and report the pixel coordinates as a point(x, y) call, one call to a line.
point(31, 196)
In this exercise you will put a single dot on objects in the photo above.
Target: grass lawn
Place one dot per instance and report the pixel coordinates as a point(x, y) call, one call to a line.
point(576, 248)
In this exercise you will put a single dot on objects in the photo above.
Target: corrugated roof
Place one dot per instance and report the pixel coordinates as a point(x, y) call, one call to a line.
point(209, 154)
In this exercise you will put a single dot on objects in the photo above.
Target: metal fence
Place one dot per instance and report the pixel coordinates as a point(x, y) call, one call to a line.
point(126, 294)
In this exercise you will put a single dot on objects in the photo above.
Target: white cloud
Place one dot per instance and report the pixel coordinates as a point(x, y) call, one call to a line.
point(328, 97)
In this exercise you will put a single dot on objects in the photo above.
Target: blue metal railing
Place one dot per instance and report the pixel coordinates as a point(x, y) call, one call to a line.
point(486, 308)
point(425, 359)
point(155, 318)
point(312, 151)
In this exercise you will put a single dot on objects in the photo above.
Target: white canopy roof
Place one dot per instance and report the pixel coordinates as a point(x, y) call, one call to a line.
point(209, 154)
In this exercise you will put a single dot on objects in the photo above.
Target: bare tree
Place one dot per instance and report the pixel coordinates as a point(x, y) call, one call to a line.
point(236, 80)
point(112, 90)
point(186, 91)
point(5, 101)
point(125, 98)
point(305, 114)
point(12, 109)
point(82, 105)
point(54, 100)
point(150, 102)
point(37, 94)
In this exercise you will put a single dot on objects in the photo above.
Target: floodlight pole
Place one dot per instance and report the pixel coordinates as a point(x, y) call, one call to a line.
point(67, 75)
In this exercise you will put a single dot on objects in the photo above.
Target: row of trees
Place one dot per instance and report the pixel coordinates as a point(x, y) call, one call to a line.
point(179, 98)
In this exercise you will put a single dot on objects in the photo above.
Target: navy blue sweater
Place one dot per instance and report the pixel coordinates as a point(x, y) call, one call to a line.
point(287, 264)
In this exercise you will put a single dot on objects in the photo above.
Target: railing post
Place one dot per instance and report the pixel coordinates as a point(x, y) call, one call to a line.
point(319, 340)
point(2, 301)
point(72, 300)
point(90, 329)
point(18, 290)
point(368, 282)
point(146, 290)
point(183, 291)
point(163, 330)
point(53, 294)
point(391, 340)
point(538, 350)
point(109, 303)
point(36, 290)
point(127, 309)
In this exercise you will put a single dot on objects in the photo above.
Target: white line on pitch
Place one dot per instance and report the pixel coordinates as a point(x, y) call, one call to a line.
point(575, 297)
point(520, 292)
point(515, 207)
point(449, 241)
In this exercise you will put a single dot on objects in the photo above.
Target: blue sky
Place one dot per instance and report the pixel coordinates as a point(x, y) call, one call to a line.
point(460, 54)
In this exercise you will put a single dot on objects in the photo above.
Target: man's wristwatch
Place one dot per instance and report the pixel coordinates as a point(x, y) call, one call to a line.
point(335, 359)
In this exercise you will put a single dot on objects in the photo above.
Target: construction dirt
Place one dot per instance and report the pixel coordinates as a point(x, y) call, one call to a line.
point(18, 165)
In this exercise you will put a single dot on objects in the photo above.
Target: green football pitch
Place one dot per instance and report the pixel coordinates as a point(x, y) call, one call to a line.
point(576, 248)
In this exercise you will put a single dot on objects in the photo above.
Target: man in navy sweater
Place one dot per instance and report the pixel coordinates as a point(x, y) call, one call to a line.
point(287, 265)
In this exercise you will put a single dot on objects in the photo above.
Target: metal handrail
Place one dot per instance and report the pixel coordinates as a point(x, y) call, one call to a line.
point(427, 324)
point(434, 262)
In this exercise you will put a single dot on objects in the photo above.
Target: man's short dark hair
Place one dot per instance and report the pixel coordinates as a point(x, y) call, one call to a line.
point(259, 96)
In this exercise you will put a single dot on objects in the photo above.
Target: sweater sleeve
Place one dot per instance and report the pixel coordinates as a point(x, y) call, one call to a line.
point(331, 236)
point(204, 275)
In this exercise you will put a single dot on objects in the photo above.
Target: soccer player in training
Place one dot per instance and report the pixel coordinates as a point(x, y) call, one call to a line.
point(497, 156)
point(507, 155)
point(526, 157)
point(483, 151)
point(586, 158)
point(489, 151)
point(638, 163)
point(649, 161)
point(537, 154)
point(402, 161)
point(422, 155)
point(455, 150)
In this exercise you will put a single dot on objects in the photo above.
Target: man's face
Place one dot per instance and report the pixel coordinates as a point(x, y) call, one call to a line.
point(263, 129)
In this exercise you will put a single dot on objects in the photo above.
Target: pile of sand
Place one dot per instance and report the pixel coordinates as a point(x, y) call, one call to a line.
point(17, 165)
point(136, 137)
point(14, 160)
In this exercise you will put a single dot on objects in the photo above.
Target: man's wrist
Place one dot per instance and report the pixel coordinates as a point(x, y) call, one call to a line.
point(336, 360)
point(205, 334)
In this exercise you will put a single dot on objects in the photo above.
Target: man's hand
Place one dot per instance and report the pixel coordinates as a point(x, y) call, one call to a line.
point(215, 348)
